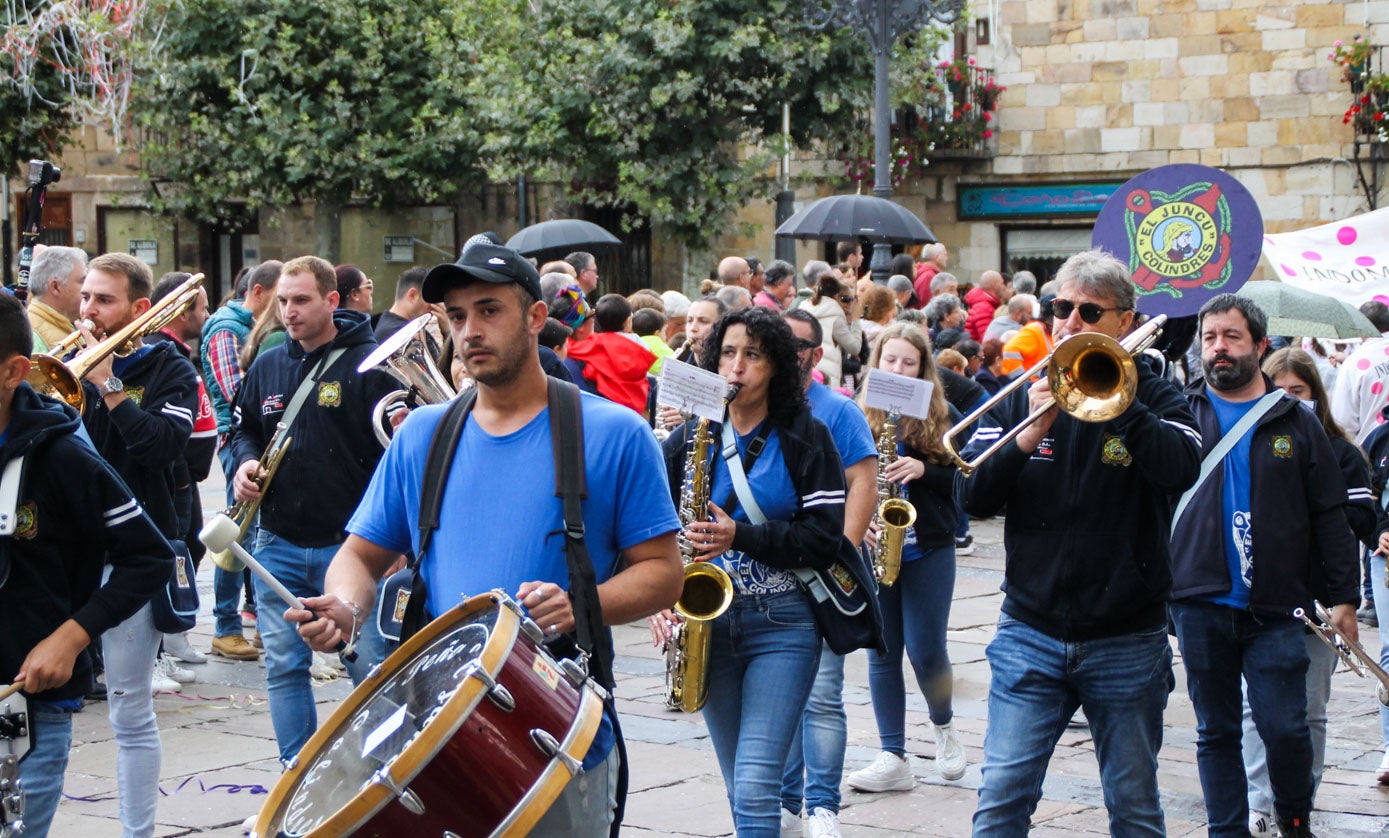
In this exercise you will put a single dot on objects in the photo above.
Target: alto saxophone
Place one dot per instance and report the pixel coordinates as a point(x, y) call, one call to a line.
point(707, 590)
point(893, 514)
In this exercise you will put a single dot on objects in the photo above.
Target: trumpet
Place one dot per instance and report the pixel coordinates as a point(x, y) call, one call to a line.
point(1352, 653)
point(406, 356)
point(1092, 378)
point(52, 377)
point(243, 512)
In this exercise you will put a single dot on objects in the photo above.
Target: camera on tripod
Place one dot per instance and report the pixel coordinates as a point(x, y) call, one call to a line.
point(42, 173)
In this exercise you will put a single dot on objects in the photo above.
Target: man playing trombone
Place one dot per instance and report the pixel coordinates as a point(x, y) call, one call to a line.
point(1084, 620)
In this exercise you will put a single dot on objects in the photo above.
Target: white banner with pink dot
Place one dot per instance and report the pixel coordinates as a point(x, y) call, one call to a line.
point(1348, 260)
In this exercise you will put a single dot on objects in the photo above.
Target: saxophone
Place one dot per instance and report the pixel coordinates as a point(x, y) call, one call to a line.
point(707, 590)
point(893, 514)
point(243, 512)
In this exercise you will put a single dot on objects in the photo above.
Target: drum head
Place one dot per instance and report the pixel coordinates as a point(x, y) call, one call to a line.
point(395, 721)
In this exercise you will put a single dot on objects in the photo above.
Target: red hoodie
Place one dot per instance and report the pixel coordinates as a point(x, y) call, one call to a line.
point(617, 366)
point(982, 306)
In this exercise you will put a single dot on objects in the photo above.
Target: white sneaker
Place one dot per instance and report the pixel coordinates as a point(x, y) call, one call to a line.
point(1260, 825)
point(170, 669)
point(163, 683)
point(1383, 775)
point(177, 646)
point(250, 823)
point(950, 754)
point(888, 772)
point(321, 669)
point(822, 824)
point(790, 822)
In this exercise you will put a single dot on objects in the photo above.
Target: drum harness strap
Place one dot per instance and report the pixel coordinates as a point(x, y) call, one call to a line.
point(593, 644)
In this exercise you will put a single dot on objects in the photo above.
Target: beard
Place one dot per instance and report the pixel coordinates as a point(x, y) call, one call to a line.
point(505, 366)
point(1240, 372)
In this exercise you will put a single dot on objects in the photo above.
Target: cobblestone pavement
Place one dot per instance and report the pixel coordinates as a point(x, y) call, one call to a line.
point(219, 748)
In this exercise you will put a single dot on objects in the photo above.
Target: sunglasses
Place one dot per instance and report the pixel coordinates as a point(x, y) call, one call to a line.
point(803, 345)
point(1089, 312)
point(847, 300)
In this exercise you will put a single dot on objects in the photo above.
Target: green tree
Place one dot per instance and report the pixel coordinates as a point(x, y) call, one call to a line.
point(274, 102)
point(670, 110)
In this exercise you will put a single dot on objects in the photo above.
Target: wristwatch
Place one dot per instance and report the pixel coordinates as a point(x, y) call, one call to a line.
point(111, 385)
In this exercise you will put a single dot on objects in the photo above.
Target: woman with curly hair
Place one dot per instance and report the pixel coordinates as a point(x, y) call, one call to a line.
point(916, 610)
point(766, 646)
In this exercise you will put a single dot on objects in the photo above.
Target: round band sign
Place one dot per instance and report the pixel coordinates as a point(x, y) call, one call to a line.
point(1187, 233)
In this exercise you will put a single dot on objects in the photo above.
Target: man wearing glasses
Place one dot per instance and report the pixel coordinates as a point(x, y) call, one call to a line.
point(585, 269)
point(1087, 575)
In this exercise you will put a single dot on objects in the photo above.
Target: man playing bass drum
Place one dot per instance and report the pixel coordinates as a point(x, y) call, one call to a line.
point(500, 523)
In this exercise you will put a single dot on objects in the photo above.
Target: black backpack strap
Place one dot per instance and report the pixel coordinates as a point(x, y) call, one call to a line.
point(442, 447)
point(567, 437)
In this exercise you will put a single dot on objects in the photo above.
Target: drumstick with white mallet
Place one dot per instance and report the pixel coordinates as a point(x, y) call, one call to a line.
point(220, 534)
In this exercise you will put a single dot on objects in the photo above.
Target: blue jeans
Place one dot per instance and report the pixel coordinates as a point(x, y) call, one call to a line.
point(287, 657)
point(1037, 683)
point(42, 769)
point(1218, 645)
point(763, 658)
point(1321, 666)
point(916, 612)
point(1382, 611)
point(130, 650)
point(226, 587)
point(815, 763)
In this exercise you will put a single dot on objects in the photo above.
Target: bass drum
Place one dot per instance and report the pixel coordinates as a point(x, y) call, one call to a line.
point(468, 729)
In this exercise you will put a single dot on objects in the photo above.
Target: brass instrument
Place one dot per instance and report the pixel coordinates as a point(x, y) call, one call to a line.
point(52, 377)
point(73, 340)
point(707, 591)
point(1092, 377)
point(893, 514)
point(1354, 655)
point(243, 512)
point(406, 356)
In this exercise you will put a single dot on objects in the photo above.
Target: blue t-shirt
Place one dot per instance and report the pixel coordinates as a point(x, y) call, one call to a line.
point(849, 427)
point(776, 496)
point(1235, 504)
point(500, 522)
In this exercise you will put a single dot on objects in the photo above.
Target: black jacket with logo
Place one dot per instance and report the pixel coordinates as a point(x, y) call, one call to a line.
point(1088, 512)
point(333, 450)
point(146, 437)
point(75, 515)
point(1303, 544)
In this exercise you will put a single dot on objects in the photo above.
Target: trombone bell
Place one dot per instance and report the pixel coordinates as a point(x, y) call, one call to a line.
point(1092, 378)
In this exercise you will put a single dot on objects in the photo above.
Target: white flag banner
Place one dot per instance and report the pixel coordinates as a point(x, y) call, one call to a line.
point(1348, 260)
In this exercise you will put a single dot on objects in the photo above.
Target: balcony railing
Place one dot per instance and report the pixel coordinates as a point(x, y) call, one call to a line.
point(955, 118)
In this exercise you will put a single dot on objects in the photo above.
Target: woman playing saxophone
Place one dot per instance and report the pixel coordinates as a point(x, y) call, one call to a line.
point(917, 608)
point(765, 648)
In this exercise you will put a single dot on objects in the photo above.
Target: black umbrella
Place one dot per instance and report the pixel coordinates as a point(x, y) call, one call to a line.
point(857, 217)
point(566, 234)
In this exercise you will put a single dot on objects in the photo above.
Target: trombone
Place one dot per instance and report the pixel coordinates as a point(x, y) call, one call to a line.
point(1354, 655)
point(63, 381)
point(1092, 377)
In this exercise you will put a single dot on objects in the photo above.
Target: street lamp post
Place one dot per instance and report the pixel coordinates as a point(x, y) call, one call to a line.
point(883, 22)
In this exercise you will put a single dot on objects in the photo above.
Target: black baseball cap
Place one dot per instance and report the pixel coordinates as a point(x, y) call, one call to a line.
point(484, 261)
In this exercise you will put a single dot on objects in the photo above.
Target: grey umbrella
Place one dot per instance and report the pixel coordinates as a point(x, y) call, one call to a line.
point(857, 217)
point(1295, 312)
point(567, 234)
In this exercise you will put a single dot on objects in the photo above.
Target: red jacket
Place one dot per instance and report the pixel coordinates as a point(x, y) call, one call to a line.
point(982, 306)
point(925, 272)
point(617, 366)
